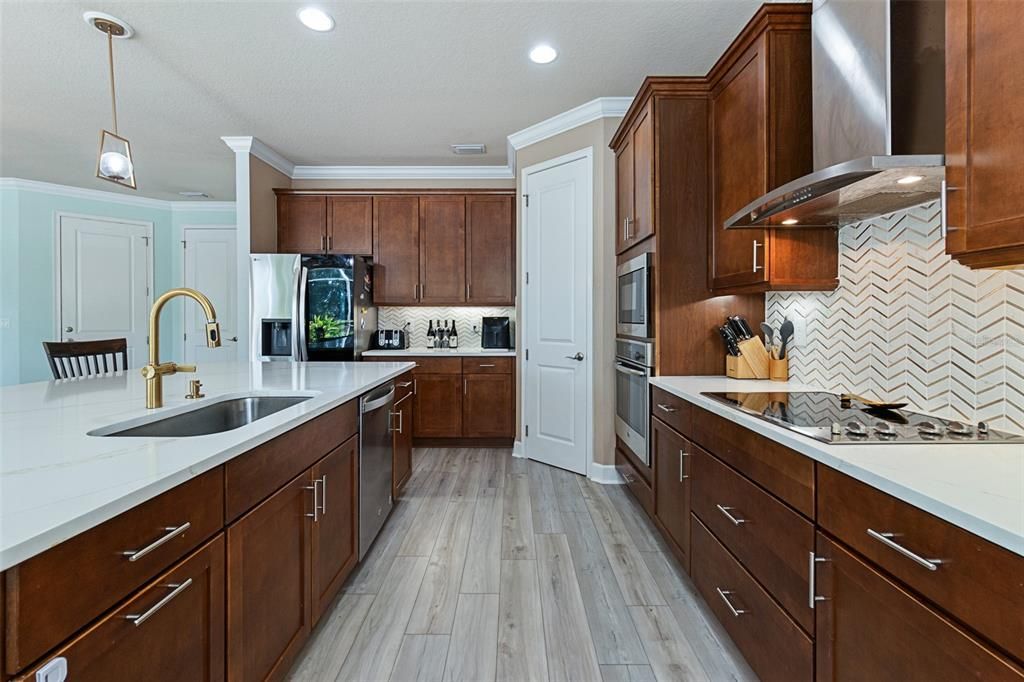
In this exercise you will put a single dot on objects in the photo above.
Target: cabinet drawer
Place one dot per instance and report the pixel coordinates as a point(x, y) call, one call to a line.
point(774, 646)
point(172, 630)
point(640, 488)
point(670, 409)
point(437, 365)
point(975, 581)
point(771, 540)
point(870, 628)
point(783, 472)
point(266, 468)
point(55, 593)
point(500, 365)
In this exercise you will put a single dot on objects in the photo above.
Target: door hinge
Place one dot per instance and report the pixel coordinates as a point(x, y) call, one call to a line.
point(527, 277)
point(527, 354)
point(146, 239)
point(147, 291)
point(184, 244)
point(527, 430)
point(527, 198)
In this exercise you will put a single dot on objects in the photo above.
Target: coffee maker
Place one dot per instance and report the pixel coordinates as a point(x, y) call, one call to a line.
point(496, 332)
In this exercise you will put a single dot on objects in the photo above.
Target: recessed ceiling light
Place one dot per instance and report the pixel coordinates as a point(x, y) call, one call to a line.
point(910, 179)
point(543, 54)
point(316, 19)
point(790, 221)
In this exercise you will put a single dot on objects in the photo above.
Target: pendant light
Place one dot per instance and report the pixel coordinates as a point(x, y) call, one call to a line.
point(115, 155)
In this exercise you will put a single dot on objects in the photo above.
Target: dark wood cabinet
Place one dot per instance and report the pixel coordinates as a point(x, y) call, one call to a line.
point(443, 249)
point(172, 630)
point(985, 133)
point(396, 250)
point(269, 605)
point(672, 456)
point(761, 138)
point(487, 410)
point(437, 409)
point(300, 223)
point(335, 534)
point(870, 628)
point(349, 226)
point(634, 164)
point(490, 251)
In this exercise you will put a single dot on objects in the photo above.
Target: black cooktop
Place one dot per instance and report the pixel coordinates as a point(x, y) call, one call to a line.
point(831, 418)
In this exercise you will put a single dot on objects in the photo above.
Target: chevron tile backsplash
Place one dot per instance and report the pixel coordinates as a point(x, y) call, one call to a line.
point(465, 319)
point(907, 323)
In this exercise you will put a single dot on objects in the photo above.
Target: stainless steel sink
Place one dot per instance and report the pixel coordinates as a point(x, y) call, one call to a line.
point(214, 417)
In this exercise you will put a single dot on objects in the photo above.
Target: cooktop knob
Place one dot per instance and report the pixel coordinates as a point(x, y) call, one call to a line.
point(855, 428)
point(928, 428)
point(959, 428)
point(837, 429)
point(982, 428)
point(885, 429)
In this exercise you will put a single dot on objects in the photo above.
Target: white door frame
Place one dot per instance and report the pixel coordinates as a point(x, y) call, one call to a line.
point(586, 154)
point(179, 234)
point(57, 291)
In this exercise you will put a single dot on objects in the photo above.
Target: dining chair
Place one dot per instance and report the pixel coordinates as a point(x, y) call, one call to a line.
point(70, 359)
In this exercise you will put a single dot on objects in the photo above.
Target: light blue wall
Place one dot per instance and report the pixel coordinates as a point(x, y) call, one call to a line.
point(27, 224)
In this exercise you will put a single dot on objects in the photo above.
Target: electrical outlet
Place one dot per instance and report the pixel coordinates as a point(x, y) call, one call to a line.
point(799, 331)
point(54, 671)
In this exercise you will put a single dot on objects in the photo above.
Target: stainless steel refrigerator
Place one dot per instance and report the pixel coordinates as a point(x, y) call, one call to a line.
point(310, 307)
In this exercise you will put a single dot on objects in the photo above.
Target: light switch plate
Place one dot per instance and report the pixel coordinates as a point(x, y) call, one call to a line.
point(799, 331)
point(54, 671)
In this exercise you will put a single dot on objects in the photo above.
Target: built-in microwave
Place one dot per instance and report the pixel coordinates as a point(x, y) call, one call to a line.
point(633, 299)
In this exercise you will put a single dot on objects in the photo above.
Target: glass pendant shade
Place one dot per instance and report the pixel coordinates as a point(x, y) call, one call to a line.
point(115, 160)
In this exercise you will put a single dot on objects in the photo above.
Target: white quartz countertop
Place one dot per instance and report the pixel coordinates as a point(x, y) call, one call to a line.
point(443, 352)
point(978, 487)
point(56, 481)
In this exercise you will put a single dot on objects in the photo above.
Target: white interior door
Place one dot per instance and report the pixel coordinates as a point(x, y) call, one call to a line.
point(210, 265)
point(556, 312)
point(104, 272)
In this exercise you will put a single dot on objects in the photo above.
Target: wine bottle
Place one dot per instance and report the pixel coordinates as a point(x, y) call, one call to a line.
point(444, 335)
point(453, 339)
point(430, 334)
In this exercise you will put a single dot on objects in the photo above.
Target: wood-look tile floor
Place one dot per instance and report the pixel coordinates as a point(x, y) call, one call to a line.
point(498, 568)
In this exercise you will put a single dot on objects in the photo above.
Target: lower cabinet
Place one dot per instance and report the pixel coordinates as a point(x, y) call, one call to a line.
point(269, 596)
point(870, 628)
point(172, 630)
point(335, 539)
point(437, 412)
point(671, 453)
point(486, 406)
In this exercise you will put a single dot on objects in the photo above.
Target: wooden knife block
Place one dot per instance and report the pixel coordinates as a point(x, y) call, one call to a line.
point(752, 363)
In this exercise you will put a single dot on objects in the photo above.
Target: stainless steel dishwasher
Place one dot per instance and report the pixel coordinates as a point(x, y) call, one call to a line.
point(376, 450)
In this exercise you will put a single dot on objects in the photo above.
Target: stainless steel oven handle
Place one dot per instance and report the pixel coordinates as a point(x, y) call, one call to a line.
point(627, 370)
point(377, 403)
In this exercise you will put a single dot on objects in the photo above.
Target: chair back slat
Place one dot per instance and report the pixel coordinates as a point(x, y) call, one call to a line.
point(71, 359)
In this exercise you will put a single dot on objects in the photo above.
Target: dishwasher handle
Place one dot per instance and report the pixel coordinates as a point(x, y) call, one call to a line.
point(370, 405)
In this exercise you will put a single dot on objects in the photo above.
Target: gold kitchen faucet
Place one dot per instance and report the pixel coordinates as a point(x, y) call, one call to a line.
point(155, 371)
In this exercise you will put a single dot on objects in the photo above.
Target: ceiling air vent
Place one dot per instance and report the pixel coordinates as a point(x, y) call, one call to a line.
point(469, 149)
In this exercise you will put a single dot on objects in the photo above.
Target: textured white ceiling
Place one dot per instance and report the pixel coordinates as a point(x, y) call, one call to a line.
point(395, 83)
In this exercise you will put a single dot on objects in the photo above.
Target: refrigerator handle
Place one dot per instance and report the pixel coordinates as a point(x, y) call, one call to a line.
point(299, 317)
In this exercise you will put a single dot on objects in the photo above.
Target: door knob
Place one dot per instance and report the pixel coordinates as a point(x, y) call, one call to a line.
point(578, 357)
point(69, 329)
point(233, 339)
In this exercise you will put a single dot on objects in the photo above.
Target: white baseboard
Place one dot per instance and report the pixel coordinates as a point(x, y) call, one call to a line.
point(517, 449)
point(604, 473)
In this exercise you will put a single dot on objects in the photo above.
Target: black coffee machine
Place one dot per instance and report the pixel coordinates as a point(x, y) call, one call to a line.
point(496, 333)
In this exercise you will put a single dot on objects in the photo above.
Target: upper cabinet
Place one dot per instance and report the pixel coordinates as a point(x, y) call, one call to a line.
point(431, 247)
point(984, 133)
point(760, 120)
point(635, 181)
point(314, 223)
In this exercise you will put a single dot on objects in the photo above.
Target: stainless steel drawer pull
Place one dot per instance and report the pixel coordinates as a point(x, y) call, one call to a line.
point(483, 365)
point(176, 589)
point(172, 532)
point(667, 408)
point(726, 510)
point(812, 598)
point(724, 594)
point(886, 539)
point(404, 384)
point(316, 499)
point(323, 495)
point(682, 476)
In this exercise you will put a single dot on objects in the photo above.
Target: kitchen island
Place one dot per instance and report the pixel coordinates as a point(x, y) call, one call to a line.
point(91, 526)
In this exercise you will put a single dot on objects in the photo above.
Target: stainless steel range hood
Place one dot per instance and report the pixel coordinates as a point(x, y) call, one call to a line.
point(878, 87)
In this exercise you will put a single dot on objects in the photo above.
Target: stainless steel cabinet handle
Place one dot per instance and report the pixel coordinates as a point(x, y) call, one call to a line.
point(172, 532)
point(625, 229)
point(465, 386)
point(812, 598)
point(483, 365)
point(330, 240)
point(944, 209)
point(757, 244)
point(682, 476)
point(316, 499)
point(176, 589)
point(323, 243)
point(414, 387)
point(724, 594)
point(404, 384)
point(401, 418)
point(323, 495)
point(726, 510)
point(885, 539)
point(667, 408)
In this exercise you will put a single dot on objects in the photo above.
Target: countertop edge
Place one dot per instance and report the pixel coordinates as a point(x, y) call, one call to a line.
point(428, 353)
point(806, 446)
point(51, 537)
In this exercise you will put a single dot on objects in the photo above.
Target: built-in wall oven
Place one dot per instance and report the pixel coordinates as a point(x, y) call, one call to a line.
point(634, 365)
point(633, 307)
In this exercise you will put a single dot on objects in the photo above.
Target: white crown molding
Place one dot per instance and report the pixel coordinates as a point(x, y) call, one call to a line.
point(602, 107)
point(403, 173)
point(113, 197)
point(247, 144)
